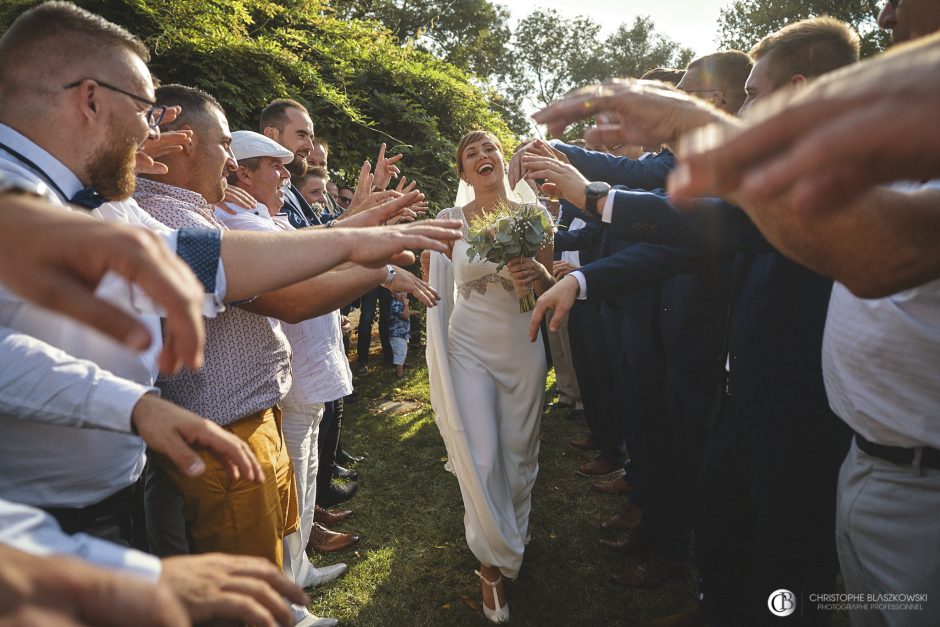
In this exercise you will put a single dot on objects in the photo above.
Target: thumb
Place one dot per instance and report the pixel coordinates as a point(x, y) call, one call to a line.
point(183, 455)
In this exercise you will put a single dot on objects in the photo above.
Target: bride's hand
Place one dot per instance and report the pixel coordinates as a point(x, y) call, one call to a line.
point(527, 271)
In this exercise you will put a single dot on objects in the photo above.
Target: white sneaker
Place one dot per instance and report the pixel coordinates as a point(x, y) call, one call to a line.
point(319, 576)
point(303, 618)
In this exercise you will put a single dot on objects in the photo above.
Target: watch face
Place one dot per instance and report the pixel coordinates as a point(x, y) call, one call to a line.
point(599, 188)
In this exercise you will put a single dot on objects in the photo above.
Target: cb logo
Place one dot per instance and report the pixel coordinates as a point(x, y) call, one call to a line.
point(781, 602)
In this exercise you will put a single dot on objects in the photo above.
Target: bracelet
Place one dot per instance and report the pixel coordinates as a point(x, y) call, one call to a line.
point(390, 269)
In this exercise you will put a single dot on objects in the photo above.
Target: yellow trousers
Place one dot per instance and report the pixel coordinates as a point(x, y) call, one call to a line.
point(238, 516)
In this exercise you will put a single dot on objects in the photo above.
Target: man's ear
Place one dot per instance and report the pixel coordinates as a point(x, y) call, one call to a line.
point(243, 175)
point(798, 80)
point(189, 146)
point(271, 133)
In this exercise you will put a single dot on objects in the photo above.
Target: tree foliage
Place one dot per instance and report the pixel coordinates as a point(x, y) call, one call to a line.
point(471, 34)
point(361, 85)
point(744, 22)
point(553, 54)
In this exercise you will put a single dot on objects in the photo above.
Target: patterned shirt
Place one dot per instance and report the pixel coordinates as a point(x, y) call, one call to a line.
point(247, 358)
point(398, 326)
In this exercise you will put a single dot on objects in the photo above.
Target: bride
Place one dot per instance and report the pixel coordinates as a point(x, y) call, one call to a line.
point(487, 379)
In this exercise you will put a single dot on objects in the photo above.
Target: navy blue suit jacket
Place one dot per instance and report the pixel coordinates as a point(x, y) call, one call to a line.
point(648, 173)
point(774, 329)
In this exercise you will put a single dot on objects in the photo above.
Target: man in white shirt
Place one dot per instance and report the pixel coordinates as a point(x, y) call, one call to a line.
point(62, 130)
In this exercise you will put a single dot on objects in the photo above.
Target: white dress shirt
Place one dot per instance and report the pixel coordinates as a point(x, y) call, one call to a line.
point(319, 365)
point(880, 359)
point(33, 531)
point(48, 465)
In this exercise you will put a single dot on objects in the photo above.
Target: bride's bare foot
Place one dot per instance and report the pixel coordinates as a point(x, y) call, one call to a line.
point(495, 606)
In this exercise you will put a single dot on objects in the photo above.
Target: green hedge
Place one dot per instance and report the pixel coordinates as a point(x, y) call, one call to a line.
point(362, 87)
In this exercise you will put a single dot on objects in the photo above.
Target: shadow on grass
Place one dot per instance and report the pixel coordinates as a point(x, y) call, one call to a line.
point(413, 566)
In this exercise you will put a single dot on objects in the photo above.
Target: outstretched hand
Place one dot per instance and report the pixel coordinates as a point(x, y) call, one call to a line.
point(560, 299)
point(236, 587)
point(68, 592)
point(561, 179)
point(405, 281)
point(56, 259)
point(649, 112)
point(376, 246)
point(177, 434)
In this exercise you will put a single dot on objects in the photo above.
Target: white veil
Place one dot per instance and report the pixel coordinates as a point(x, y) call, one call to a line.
point(521, 194)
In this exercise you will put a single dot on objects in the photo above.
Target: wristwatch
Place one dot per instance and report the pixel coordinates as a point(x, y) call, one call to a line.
point(592, 193)
point(389, 277)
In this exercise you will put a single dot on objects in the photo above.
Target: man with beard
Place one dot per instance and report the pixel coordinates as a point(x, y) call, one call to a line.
point(247, 370)
point(70, 121)
point(288, 123)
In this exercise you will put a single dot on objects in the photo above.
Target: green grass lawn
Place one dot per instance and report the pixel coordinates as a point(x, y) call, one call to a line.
point(413, 566)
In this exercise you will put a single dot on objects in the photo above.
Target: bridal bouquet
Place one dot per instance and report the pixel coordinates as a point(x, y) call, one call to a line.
point(506, 234)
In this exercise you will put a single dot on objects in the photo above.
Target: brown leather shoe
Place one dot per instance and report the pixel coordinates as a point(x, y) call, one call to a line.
point(626, 520)
point(650, 573)
point(689, 618)
point(583, 444)
point(630, 545)
point(325, 541)
point(617, 485)
point(600, 467)
point(330, 518)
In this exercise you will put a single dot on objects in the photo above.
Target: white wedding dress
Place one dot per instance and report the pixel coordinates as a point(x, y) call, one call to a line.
point(487, 390)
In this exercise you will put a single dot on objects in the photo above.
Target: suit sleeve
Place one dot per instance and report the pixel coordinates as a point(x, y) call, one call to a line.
point(636, 173)
point(635, 268)
point(713, 225)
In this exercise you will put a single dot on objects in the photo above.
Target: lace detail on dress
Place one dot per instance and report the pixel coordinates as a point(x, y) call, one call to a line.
point(455, 213)
point(480, 285)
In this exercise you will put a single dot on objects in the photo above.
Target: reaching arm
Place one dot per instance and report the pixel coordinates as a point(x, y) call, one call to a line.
point(883, 242)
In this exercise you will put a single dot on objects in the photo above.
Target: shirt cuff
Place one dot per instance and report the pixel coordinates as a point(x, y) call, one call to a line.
point(608, 207)
point(115, 556)
point(582, 283)
point(113, 400)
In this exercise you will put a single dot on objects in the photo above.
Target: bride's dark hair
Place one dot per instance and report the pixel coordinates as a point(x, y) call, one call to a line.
point(469, 138)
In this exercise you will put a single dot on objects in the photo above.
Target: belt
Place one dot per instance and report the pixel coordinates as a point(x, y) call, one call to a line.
point(924, 456)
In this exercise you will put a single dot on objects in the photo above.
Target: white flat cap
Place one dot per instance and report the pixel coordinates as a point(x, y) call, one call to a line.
point(248, 144)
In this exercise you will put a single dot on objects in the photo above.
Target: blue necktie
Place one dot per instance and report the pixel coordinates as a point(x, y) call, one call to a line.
point(88, 198)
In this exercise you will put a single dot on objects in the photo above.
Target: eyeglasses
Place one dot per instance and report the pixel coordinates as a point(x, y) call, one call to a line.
point(154, 114)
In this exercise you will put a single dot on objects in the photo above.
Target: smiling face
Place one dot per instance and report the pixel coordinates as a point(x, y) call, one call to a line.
point(314, 190)
point(264, 179)
point(212, 157)
point(480, 160)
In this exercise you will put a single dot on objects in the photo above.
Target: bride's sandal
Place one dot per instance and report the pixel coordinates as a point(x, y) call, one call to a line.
point(501, 613)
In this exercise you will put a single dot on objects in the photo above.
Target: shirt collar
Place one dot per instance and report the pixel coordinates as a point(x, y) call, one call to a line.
point(67, 181)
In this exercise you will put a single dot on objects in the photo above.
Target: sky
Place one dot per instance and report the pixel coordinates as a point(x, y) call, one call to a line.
point(693, 23)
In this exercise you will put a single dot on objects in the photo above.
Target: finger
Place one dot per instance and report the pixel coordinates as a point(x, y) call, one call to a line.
point(228, 449)
point(259, 568)
point(559, 313)
point(64, 294)
point(610, 135)
point(380, 161)
point(537, 314)
point(262, 593)
point(401, 184)
point(394, 159)
point(406, 258)
point(245, 609)
point(171, 114)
